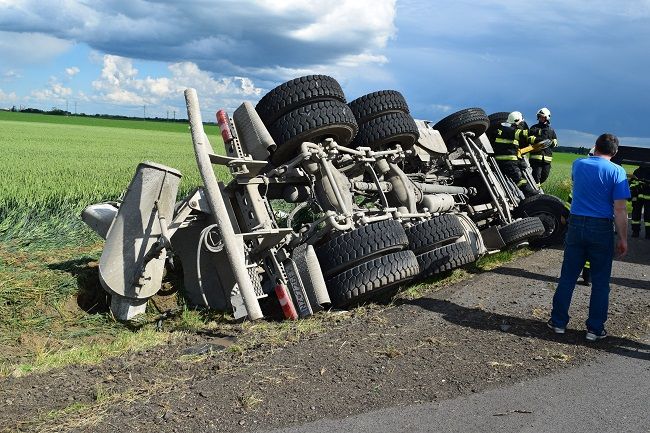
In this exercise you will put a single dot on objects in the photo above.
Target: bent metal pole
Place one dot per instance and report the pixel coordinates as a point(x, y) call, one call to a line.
point(234, 250)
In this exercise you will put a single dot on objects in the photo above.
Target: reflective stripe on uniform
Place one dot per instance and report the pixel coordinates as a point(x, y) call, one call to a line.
point(635, 222)
point(522, 182)
point(541, 157)
point(644, 196)
point(506, 141)
point(506, 157)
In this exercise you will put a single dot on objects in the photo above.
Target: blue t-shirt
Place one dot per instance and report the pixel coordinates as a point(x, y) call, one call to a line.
point(597, 182)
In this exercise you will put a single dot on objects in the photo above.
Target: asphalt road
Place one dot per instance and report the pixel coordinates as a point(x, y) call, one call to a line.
point(611, 394)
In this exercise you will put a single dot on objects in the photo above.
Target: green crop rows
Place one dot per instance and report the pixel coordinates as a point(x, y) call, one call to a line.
point(50, 171)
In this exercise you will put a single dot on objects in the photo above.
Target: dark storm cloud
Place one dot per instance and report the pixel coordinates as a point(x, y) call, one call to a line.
point(222, 36)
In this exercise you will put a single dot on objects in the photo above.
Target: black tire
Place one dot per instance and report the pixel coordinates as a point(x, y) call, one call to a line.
point(369, 106)
point(521, 230)
point(311, 122)
point(434, 233)
point(371, 278)
point(445, 258)
point(388, 128)
point(468, 120)
point(554, 216)
point(361, 244)
point(497, 118)
point(295, 93)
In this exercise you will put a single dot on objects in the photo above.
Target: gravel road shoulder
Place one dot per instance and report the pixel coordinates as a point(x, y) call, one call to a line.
point(482, 333)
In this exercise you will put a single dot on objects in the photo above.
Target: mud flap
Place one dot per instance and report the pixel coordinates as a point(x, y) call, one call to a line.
point(492, 239)
point(305, 269)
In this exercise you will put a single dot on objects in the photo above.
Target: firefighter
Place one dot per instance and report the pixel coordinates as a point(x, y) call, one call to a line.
point(510, 136)
point(640, 187)
point(540, 160)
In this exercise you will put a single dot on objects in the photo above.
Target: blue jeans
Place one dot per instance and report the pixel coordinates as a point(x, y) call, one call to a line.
point(587, 239)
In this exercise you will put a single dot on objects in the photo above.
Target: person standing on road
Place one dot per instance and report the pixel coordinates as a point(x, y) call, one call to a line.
point(586, 270)
point(510, 136)
point(640, 187)
point(600, 192)
point(540, 160)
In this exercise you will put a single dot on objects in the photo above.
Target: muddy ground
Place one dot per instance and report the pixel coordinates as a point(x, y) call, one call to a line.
point(483, 332)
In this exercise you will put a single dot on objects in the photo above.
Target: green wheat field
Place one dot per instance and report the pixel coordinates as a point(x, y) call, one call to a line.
point(51, 168)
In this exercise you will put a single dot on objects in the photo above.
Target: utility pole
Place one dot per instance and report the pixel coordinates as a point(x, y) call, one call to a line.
point(75, 107)
point(167, 114)
point(66, 105)
point(174, 114)
point(144, 112)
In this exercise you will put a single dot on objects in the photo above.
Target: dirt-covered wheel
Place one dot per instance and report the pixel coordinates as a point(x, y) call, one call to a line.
point(554, 216)
point(433, 233)
point(387, 129)
point(371, 278)
point(364, 243)
point(444, 258)
point(369, 106)
point(468, 120)
point(521, 230)
point(295, 93)
point(311, 122)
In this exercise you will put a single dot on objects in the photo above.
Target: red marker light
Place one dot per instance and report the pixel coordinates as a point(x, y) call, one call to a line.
point(286, 303)
point(222, 121)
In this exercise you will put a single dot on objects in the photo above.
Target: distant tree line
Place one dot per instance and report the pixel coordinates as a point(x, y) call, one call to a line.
point(59, 112)
point(566, 149)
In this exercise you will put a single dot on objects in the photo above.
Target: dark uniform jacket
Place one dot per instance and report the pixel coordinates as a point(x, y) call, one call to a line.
point(640, 184)
point(544, 131)
point(508, 140)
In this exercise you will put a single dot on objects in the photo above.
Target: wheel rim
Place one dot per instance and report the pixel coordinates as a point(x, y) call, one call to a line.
point(549, 222)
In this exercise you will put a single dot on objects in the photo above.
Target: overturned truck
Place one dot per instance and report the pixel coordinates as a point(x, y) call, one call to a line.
point(378, 199)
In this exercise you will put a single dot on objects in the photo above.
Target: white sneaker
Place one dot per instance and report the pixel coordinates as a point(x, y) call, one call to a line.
point(592, 336)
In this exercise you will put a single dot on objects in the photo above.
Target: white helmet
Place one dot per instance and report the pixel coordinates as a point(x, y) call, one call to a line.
point(544, 112)
point(515, 117)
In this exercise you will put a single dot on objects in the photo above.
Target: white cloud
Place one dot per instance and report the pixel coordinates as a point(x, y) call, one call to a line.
point(72, 71)
point(7, 97)
point(441, 108)
point(120, 83)
point(31, 48)
point(56, 92)
point(11, 74)
point(238, 35)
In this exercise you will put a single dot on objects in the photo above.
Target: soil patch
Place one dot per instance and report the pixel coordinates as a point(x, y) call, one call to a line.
point(483, 332)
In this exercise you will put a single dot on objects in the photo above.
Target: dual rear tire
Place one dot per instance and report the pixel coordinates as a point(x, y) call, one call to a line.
point(309, 108)
point(365, 262)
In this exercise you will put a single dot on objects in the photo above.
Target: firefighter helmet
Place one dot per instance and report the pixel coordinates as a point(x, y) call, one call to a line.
point(515, 117)
point(544, 112)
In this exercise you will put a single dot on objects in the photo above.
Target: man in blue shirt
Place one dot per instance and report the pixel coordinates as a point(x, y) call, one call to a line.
point(600, 192)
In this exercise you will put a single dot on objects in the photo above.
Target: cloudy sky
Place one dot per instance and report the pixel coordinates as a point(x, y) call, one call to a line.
point(586, 60)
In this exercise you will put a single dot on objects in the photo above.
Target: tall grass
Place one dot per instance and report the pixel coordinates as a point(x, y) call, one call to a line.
point(49, 172)
point(559, 181)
